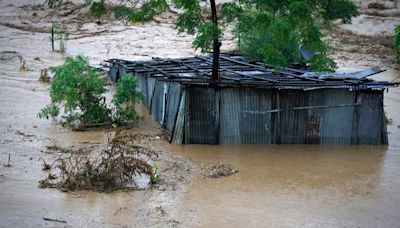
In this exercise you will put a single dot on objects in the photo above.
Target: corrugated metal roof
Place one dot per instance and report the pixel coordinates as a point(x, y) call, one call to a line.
point(235, 71)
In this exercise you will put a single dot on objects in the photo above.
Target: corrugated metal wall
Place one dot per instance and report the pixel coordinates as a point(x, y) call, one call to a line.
point(337, 122)
point(371, 118)
point(142, 84)
point(266, 116)
point(201, 116)
point(161, 98)
point(173, 101)
point(244, 115)
point(157, 102)
point(289, 124)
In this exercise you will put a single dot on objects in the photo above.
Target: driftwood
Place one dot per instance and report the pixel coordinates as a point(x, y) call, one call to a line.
point(54, 220)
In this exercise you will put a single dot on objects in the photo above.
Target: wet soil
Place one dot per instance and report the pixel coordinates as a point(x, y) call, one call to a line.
point(276, 186)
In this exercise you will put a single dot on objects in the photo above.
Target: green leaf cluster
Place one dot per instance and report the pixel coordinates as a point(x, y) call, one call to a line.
point(148, 10)
point(272, 31)
point(125, 99)
point(79, 90)
point(397, 41)
point(122, 12)
point(193, 21)
point(98, 8)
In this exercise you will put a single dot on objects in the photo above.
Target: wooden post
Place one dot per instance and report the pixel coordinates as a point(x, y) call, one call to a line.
point(216, 43)
point(52, 38)
point(215, 71)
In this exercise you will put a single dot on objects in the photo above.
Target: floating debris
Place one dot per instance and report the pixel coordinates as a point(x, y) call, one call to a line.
point(123, 165)
point(217, 171)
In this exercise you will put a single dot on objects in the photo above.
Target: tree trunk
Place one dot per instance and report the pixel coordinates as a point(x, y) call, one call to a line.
point(216, 44)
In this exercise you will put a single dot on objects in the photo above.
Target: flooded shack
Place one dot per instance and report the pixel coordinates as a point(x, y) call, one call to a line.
point(253, 103)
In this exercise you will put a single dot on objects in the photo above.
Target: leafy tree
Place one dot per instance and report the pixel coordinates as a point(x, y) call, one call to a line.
point(273, 30)
point(192, 20)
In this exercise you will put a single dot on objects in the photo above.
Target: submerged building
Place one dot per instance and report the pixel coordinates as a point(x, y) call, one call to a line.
point(253, 103)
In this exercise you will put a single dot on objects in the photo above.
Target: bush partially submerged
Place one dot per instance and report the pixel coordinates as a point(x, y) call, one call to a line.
point(125, 99)
point(115, 168)
point(79, 89)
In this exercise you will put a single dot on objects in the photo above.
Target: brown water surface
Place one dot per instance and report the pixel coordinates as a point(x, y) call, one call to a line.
point(277, 185)
point(302, 185)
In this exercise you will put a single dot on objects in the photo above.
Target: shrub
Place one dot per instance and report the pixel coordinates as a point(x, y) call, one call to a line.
point(79, 89)
point(98, 9)
point(125, 99)
point(122, 12)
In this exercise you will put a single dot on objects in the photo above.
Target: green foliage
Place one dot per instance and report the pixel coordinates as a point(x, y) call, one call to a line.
point(79, 89)
point(98, 9)
point(60, 35)
point(193, 21)
point(122, 12)
point(148, 10)
point(338, 9)
point(273, 30)
point(53, 3)
point(397, 41)
point(125, 99)
point(51, 110)
point(207, 32)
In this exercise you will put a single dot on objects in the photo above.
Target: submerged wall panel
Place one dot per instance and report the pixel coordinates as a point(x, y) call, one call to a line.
point(291, 124)
point(230, 116)
point(172, 105)
point(370, 126)
point(255, 120)
point(337, 118)
point(142, 83)
point(150, 89)
point(179, 128)
point(200, 118)
point(157, 102)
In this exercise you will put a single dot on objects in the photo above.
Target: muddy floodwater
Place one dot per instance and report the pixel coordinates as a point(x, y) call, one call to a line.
point(276, 186)
point(302, 185)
